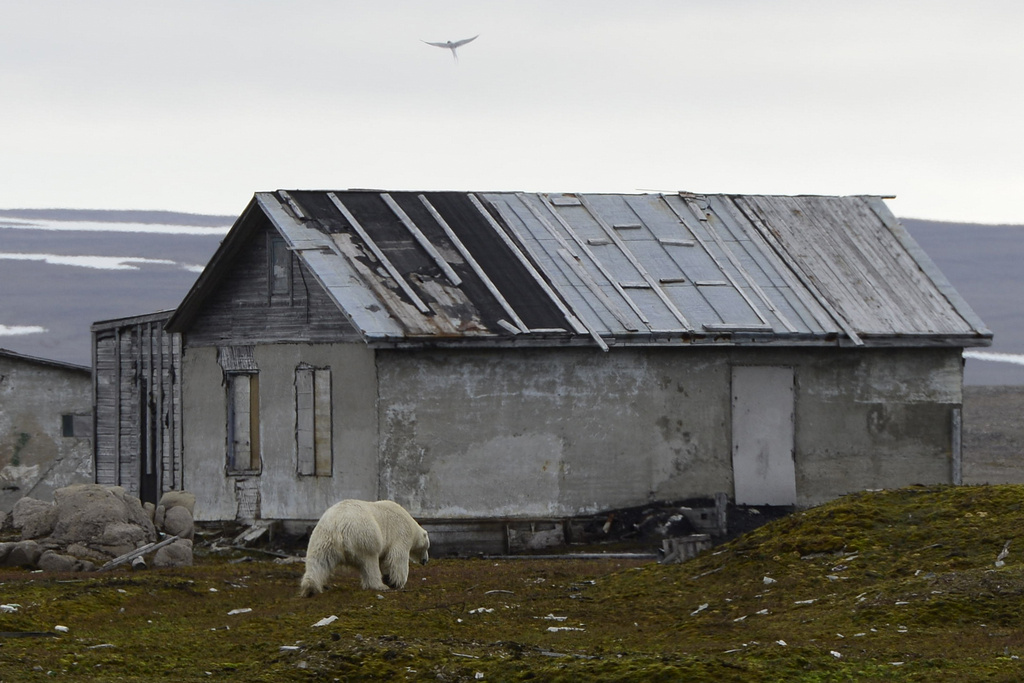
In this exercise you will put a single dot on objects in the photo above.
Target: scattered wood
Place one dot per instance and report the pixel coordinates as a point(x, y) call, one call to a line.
point(247, 549)
point(676, 550)
point(712, 571)
point(138, 552)
point(576, 556)
point(1003, 555)
point(251, 535)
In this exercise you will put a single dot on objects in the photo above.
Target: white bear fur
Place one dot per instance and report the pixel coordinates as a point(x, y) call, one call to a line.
point(379, 539)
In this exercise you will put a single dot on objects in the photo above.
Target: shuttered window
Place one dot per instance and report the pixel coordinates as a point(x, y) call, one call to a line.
point(279, 267)
point(243, 422)
point(313, 431)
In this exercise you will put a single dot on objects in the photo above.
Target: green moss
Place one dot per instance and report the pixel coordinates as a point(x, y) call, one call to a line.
point(902, 584)
point(19, 444)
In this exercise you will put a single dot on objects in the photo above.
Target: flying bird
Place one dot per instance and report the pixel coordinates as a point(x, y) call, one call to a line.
point(452, 44)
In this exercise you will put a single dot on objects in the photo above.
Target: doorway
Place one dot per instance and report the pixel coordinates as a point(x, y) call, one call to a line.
point(149, 483)
point(763, 435)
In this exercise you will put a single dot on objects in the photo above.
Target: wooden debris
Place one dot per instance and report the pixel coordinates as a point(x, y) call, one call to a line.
point(138, 552)
point(676, 550)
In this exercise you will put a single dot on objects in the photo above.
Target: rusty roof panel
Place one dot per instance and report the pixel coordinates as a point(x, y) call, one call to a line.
point(606, 268)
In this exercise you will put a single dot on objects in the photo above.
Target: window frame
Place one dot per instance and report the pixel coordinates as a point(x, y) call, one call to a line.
point(250, 460)
point(314, 421)
point(76, 426)
point(279, 270)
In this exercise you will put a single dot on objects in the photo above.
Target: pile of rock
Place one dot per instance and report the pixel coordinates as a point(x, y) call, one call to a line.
point(89, 525)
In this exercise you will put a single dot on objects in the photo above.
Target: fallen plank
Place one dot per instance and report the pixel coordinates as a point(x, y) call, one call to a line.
point(138, 552)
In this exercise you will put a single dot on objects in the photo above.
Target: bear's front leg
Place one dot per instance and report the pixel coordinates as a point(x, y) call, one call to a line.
point(395, 567)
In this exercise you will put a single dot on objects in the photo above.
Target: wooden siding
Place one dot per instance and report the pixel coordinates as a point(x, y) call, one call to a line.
point(242, 311)
point(137, 394)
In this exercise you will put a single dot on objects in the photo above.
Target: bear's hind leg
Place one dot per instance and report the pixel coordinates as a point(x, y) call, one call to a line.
point(369, 574)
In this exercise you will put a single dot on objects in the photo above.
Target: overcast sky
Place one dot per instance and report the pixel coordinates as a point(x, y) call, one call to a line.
point(194, 106)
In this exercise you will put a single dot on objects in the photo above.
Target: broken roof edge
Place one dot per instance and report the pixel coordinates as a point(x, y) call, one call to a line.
point(702, 340)
point(929, 268)
point(161, 316)
point(184, 313)
point(394, 332)
point(48, 362)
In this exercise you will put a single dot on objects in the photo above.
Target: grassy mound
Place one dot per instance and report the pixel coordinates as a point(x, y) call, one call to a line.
point(883, 586)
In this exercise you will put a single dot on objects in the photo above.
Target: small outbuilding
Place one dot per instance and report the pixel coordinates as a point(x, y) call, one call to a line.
point(517, 356)
point(46, 427)
point(138, 405)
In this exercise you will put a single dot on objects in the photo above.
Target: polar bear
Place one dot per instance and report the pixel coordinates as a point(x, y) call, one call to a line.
point(376, 538)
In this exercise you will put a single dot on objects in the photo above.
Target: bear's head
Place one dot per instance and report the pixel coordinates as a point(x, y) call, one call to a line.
point(420, 546)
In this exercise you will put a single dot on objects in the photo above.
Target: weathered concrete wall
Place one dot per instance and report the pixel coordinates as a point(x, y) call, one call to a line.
point(35, 459)
point(570, 431)
point(282, 492)
point(877, 419)
point(539, 433)
point(552, 433)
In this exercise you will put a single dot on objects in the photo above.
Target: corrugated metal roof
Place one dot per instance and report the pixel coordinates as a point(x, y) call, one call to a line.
point(621, 269)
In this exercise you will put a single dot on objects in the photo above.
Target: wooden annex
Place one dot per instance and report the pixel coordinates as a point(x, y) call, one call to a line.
point(137, 405)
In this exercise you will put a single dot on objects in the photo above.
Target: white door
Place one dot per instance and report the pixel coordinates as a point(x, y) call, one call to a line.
point(762, 436)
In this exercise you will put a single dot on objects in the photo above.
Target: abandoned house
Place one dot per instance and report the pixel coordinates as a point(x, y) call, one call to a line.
point(45, 427)
point(482, 356)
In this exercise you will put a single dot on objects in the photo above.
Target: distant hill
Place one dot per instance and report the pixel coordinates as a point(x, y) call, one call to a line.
point(115, 216)
point(984, 264)
point(146, 261)
point(163, 253)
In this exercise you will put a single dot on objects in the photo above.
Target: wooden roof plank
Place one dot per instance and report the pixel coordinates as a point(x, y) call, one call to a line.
point(379, 254)
point(610, 231)
point(805, 284)
point(927, 265)
point(421, 239)
point(578, 267)
point(474, 265)
point(569, 316)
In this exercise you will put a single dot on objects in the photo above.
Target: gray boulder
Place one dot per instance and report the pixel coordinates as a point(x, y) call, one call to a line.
point(87, 554)
point(24, 554)
point(89, 524)
point(179, 499)
point(34, 518)
point(119, 538)
point(96, 515)
point(52, 561)
point(178, 522)
point(177, 554)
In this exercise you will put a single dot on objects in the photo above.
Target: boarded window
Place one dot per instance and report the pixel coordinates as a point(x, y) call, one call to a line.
point(280, 265)
point(243, 422)
point(313, 420)
point(77, 426)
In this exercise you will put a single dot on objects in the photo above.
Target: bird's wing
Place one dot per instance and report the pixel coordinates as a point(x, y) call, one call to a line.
point(444, 45)
point(460, 43)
